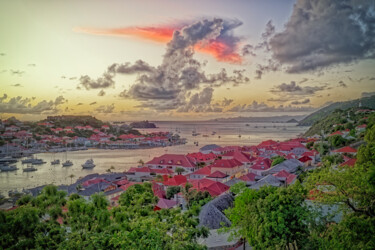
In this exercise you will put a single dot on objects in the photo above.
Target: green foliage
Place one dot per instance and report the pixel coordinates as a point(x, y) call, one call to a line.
point(271, 218)
point(309, 145)
point(336, 141)
point(179, 170)
point(322, 113)
point(172, 190)
point(277, 160)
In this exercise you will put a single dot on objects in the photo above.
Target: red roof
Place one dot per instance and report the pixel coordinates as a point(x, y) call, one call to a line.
point(215, 188)
point(93, 181)
point(140, 170)
point(202, 157)
point(203, 171)
point(242, 157)
point(217, 174)
point(262, 164)
point(166, 204)
point(176, 180)
point(158, 190)
point(248, 177)
point(336, 133)
point(267, 143)
point(121, 182)
point(126, 186)
point(230, 163)
point(305, 158)
point(350, 163)
point(362, 126)
point(282, 174)
point(291, 156)
point(173, 159)
point(346, 149)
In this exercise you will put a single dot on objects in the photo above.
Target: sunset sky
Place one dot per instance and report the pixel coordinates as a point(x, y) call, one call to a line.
point(183, 60)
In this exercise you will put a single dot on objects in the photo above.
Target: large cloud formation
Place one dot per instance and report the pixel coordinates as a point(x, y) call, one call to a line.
point(324, 33)
point(224, 46)
point(20, 105)
point(169, 85)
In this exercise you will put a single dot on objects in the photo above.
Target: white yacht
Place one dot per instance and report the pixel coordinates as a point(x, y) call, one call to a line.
point(88, 164)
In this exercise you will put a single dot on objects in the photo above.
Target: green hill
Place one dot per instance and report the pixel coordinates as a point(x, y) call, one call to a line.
point(348, 119)
point(368, 102)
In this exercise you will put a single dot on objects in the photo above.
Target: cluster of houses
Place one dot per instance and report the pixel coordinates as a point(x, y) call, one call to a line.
point(20, 136)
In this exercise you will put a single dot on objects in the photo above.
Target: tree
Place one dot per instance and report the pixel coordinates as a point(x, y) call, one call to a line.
point(179, 170)
point(336, 140)
point(141, 162)
point(269, 218)
point(71, 178)
point(277, 160)
point(172, 190)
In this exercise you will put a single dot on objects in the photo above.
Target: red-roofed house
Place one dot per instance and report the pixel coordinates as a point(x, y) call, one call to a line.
point(267, 143)
point(346, 149)
point(200, 157)
point(158, 190)
point(229, 167)
point(261, 165)
point(165, 204)
point(215, 188)
point(176, 180)
point(350, 162)
point(306, 160)
point(173, 161)
point(286, 177)
point(250, 178)
point(201, 173)
point(218, 176)
point(336, 133)
point(361, 128)
point(245, 159)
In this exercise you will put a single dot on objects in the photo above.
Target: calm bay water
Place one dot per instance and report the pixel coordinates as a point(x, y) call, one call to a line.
point(122, 160)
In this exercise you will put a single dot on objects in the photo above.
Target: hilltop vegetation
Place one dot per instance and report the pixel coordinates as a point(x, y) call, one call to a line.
point(71, 120)
point(324, 112)
point(345, 119)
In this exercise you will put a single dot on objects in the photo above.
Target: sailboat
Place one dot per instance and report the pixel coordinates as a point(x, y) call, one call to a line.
point(55, 161)
point(29, 169)
point(67, 163)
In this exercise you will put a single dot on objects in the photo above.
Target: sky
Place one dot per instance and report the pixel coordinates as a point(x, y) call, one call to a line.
point(183, 60)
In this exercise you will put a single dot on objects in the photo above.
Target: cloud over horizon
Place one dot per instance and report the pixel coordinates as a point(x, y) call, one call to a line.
point(20, 105)
point(322, 34)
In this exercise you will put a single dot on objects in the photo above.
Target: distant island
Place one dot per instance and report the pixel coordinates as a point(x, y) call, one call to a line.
point(143, 124)
point(275, 119)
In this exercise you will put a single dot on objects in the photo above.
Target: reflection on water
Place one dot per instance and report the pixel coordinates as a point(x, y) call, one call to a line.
point(121, 160)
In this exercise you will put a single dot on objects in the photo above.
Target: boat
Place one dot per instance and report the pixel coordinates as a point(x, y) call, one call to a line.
point(38, 162)
point(8, 168)
point(29, 169)
point(28, 160)
point(205, 135)
point(7, 159)
point(67, 163)
point(247, 125)
point(55, 162)
point(213, 133)
point(88, 164)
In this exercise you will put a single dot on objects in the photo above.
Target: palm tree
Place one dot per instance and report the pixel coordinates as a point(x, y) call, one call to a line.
point(141, 162)
point(71, 178)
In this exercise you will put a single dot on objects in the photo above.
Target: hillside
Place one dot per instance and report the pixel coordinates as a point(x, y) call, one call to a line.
point(324, 112)
point(338, 120)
